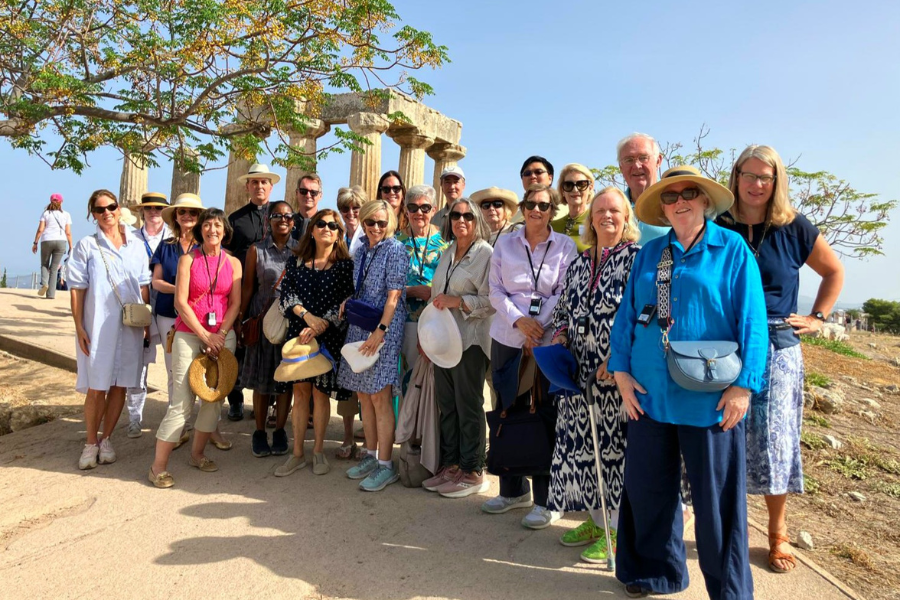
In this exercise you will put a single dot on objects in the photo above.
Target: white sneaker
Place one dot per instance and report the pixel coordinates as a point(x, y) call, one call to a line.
point(134, 430)
point(502, 504)
point(107, 454)
point(42, 291)
point(540, 517)
point(88, 458)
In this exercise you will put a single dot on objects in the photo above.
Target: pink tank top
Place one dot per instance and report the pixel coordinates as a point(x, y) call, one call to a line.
point(203, 274)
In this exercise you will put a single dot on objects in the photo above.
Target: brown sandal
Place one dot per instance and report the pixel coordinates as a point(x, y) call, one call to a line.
point(777, 555)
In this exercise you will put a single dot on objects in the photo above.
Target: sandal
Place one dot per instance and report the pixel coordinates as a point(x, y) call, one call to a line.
point(776, 555)
point(348, 452)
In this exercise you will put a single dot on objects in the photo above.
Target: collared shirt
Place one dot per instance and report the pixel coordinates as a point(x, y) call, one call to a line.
point(716, 294)
point(249, 225)
point(648, 232)
point(513, 285)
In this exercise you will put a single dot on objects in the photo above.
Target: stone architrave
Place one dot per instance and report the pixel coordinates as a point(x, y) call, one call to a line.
point(306, 143)
point(412, 154)
point(235, 191)
point(445, 155)
point(183, 180)
point(365, 167)
point(133, 183)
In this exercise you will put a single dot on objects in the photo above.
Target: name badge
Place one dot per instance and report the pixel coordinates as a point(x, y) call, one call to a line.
point(581, 325)
point(535, 308)
point(211, 319)
point(646, 314)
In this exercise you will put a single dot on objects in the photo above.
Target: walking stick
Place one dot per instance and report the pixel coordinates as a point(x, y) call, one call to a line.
point(610, 558)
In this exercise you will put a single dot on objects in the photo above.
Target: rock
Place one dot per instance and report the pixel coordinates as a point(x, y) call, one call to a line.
point(805, 541)
point(849, 379)
point(871, 403)
point(873, 345)
point(891, 389)
point(827, 401)
point(896, 361)
point(832, 441)
point(23, 417)
point(868, 414)
point(808, 400)
point(856, 496)
point(833, 331)
point(5, 414)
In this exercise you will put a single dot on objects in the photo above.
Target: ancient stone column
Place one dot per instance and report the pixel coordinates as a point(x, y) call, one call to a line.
point(412, 154)
point(365, 167)
point(445, 155)
point(183, 180)
point(235, 191)
point(134, 180)
point(305, 142)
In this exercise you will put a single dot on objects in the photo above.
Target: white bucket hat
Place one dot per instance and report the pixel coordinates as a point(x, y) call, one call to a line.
point(259, 171)
point(439, 337)
point(359, 363)
point(126, 216)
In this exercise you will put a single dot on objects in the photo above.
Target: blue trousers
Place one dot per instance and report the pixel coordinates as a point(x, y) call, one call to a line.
point(651, 550)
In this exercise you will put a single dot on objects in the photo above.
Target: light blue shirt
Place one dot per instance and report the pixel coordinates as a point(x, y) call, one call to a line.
point(716, 294)
point(648, 232)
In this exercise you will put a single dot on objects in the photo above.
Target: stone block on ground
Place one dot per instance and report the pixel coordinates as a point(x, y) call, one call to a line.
point(805, 541)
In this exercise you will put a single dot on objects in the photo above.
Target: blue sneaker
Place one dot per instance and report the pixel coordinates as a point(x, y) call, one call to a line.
point(379, 479)
point(366, 465)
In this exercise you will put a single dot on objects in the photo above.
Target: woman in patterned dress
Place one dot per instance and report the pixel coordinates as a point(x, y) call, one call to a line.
point(583, 319)
point(380, 266)
point(782, 241)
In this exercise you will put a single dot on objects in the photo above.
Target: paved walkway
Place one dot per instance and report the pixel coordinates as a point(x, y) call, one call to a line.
point(241, 532)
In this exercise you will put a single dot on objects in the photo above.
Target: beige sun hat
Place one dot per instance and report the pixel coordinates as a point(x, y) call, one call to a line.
point(302, 361)
point(439, 337)
point(126, 216)
point(182, 201)
point(153, 199)
point(212, 379)
point(260, 171)
point(648, 207)
point(509, 197)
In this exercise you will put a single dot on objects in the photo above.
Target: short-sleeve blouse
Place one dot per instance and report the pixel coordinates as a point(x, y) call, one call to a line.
point(167, 255)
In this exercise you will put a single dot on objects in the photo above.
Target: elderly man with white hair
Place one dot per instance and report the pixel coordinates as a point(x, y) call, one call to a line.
point(639, 160)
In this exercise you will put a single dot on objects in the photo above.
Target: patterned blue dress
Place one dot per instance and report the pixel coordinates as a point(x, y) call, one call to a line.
point(386, 266)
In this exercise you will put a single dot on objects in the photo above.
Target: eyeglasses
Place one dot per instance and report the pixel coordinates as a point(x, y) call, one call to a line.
point(188, 211)
point(531, 205)
point(348, 209)
point(374, 223)
point(99, 210)
point(414, 208)
point(157, 208)
point(753, 178)
point(489, 204)
point(391, 189)
point(306, 192)
point(629, 161)
point(581, 184)
point(282, 216)
point(535, 172)
point(456, 216)
point(672, 197)
point(322, 224)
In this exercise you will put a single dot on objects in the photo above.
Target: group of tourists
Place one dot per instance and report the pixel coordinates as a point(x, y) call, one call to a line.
point(641, 349)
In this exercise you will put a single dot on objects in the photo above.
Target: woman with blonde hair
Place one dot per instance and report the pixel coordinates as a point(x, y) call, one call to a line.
point(349, 202)
point(782, 241)
point(576, 187)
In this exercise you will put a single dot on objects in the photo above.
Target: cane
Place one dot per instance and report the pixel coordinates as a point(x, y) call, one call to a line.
point(610, 559)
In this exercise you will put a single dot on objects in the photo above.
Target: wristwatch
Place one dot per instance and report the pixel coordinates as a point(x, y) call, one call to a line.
point(818, 315)
point(304, 313)
point(383, 327)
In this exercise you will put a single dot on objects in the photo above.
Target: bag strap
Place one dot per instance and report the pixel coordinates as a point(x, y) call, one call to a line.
point(112, 283)
point(363, 272)
point(663, 294)
point(274, 287)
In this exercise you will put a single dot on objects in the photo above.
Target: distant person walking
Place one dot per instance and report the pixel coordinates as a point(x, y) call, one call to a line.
point(54, 230)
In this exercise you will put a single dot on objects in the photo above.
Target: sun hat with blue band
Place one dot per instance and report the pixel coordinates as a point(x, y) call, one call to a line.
point(302, 361)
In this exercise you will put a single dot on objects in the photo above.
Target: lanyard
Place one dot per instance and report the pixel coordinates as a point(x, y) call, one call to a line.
point(213, 282)
point(693, 243)
point(416, 250)
point(451, 269)
point(143, 233)
point(540, 268)
point(499, 233)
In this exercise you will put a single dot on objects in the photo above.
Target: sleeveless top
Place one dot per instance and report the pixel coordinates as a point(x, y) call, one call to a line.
point(203, 274)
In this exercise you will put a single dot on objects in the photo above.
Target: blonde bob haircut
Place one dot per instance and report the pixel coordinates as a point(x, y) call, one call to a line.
point(351, 197)
point(630, 233)
point(579, 168)
point(370, 208)
point(534, 188)
point(780, 211)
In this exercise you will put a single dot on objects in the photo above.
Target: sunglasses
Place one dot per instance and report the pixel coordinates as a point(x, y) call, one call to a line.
point(156, 208)
point(456, 216)
point(99, 210)
point(391, 189)
point(188, 211)
point(581, 184)
point(414, 208)
point(489, 204)
point(374, 223)
point(535, 172)
point(322, 224)
point(531, 205)
point(348, 209)
point(306, 192)
point(282, 216)
point(672, 197)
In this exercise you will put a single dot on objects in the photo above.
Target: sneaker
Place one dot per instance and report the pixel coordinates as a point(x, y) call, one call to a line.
point(597, 552)
point(88, 458)
point(366, 465)
point(464, 484)
point(43, 290)
point(540, 517)
point(502, 504)
point(107, 454)
point(236, 406)
point(444, 475)
point(294, 463)
point(380, 478)
point(259, 444)
point(279, 442)
point(582, 535)
point(320, 464)
point(134, 430)
point(636, 591)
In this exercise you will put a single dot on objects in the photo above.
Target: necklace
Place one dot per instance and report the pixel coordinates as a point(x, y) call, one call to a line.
point(570, 223)
point(761, 239)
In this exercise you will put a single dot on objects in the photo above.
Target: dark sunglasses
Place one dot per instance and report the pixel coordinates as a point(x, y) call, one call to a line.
point(531, 204)
point(373, 223)
point(672, 197)
point(456, 216)
point(322, 224)
point(489, 204)
point(188, 211)
point(99, 210)
point(306, 192)
point(282, 216)
point(535, 172)
point(581, 184)
point(347, 209)
point(414, 208)
point(387, 189)
point(152, 208)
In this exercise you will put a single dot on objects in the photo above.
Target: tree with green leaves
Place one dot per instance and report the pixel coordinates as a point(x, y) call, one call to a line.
point(850, 220)
point(885, 314)
point(193, 79)
point(3, 283)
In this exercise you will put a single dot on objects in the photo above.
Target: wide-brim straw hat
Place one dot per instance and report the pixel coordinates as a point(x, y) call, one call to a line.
point(439, 337)
point(186, 200)
point(154, 199)
point(509, 197)
point(359, 363)
point(212, 379)
point(126, 216)
point(259, 171)
point(302, 361)
point(648, 207)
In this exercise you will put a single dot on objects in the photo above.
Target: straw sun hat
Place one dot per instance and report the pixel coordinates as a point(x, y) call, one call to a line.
point(648, 207)
point(302, 361)
point(212, 379)
point(182, 201)
point(510, 199)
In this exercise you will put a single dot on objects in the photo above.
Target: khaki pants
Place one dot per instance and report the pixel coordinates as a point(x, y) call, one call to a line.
point(348, 407)
point(185, 348)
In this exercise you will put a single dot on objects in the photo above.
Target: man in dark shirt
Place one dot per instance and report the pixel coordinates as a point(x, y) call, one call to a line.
point(307, 194)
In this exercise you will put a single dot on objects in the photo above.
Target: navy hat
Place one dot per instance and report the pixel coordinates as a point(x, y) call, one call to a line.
point(558, 366)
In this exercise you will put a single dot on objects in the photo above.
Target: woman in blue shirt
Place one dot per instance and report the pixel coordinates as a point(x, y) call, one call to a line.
point(715, 294)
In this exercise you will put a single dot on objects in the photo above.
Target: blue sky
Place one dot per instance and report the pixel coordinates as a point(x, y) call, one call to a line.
point(816, 80)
